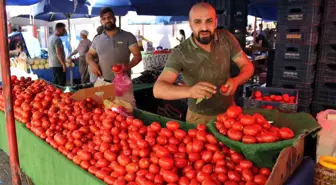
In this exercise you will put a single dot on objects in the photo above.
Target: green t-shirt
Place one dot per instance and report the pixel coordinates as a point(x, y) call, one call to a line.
point(197, 65)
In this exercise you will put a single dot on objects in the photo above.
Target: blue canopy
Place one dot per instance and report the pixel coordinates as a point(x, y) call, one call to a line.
point(157, 20)
point(56, 16)
point(21, 2)
point(266, 9)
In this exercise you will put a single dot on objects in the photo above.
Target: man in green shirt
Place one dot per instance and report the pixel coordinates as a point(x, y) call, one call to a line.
point(204, 62)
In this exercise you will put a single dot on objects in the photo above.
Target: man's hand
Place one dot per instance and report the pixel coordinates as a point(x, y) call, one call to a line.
point(95, 69)
point(64, 68)
point(202, 90)
point(232, 87)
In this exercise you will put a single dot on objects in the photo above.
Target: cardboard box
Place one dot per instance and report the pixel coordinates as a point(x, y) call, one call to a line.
point(288, 160)
point(98, 94)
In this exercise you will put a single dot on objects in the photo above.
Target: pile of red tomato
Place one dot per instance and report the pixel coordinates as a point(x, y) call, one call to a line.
point(122, 150)
point(250, 129)
point(285, 98)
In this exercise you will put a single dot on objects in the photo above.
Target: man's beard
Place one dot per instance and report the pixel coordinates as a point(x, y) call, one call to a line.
point(109, 26)
point(204, 40)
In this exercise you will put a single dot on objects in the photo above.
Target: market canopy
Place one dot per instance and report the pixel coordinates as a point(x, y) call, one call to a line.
point(21, 2)
point(56, 16)
point(266, 9)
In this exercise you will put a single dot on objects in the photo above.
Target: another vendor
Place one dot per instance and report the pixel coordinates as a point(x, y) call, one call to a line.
point(82, 49)
point(204, 62)
point(113, 46)
point(140, 38)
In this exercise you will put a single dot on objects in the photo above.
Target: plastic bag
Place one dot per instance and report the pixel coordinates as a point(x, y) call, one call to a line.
point(122, 83)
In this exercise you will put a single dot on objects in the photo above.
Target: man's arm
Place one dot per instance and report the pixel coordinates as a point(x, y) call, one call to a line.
point(73, 53)
point(246, 68)
point(134, 49)
point(60, 53)
point(165, 89)
point(90, 61)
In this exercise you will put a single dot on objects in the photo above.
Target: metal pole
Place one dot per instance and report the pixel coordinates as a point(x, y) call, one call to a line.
point(70, 68)
point(7, 93)
point(119, 21)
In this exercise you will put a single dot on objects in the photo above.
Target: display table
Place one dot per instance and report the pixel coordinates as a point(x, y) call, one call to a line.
point(47, 74)
point(154, 61)
point(42, 163)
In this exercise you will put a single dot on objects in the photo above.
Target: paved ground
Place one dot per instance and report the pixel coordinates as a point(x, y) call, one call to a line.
point(5, 175)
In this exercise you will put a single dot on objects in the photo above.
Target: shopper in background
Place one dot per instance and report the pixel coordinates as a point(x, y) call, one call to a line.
point(140, 38)
point(204, 62)
point(18, 52)
point(113, 46)
point(56, 55)
point(182, 36)
point(83, 47)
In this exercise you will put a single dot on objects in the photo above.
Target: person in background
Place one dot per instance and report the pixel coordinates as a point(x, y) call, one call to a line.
point(93, 77)
point(56, 55)
point(140, 38)
point(249, 30)
point(204, 62)
point(261, 41)
point(18, 52)
point(83, 47)
point(261, 30)
point(182, 36)
point(113, 46)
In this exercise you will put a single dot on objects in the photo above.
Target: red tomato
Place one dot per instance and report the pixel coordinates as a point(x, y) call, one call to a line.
point(201, 176)
point(154, 169)
point(208, 168)
point(228, 123)
point(249, 139)
point(166, 163)
point(170, 176)
point(101, 174)
point(84, 155)
point(180, 162)
point(237, 126)
point(237, 157)
point(224, 88)
point(116, 68)
point(235, 135)
point(191, 174)
point(130, 177)
point(144, 163)
point(180, 134)
point(102, 163)
point(207, 156)
point(198, 165)
point(247, 175)
point(246, 164)
point(132, 168)
point(252, 130)
point(172, 125)
point(233, 112)
point(260, 179)
point(183, 181)
point(265, 171)
point(197, 146)
point(247, 120)
point(269, 137)
point(286, 133)
point(234, 176)
point(257, 94)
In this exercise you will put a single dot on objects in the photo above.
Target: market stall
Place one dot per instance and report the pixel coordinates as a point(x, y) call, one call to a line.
point(155, 60)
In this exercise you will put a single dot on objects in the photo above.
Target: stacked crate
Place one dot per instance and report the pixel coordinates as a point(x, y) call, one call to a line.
point(296, 48)
point(325, 83)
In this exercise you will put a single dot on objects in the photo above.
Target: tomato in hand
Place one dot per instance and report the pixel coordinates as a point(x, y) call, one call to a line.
point(224, 88)
point(116, 68)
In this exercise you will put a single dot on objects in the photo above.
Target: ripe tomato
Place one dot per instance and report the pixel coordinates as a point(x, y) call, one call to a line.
point(237, 157)
point(166, 163)
point(84, 155)
point(180, 134)
point(247, 175)
point(252, 130)
point(170, 176)
point(286, 133)
point(237, 126)
point(233, 112)
point(246, 164)
point(269, 137)
point(224, 88)
point(172, 125)
point(257, 94)
point(235, 135)
point(144, 163)
point(197, 145)
point(234, 176)
point(247, 120)
point(249, 139)
point(180, 162)
point(116, 68)
point(183, 181)
point(132, 168)
point(265, 171)
point(154, 169)
point(260, 179)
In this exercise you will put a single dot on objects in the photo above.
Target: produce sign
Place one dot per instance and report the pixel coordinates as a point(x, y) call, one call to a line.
point(122, 150)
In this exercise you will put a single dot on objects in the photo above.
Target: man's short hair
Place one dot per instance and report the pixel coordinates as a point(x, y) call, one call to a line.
point(59, 25)
point(106, 10)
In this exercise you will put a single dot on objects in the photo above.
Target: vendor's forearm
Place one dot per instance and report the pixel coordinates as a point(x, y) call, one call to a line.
point(135, 61)
point(89, 59)
point(245, 74)
point(60, 58)
point(166, 91)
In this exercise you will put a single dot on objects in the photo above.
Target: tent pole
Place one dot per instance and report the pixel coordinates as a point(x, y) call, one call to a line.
point(8, 99)
point(70, 67)
point(119, 17)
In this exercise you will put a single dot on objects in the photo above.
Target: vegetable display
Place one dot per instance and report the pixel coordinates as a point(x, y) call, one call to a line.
point(249, 129)
point(123, 150)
